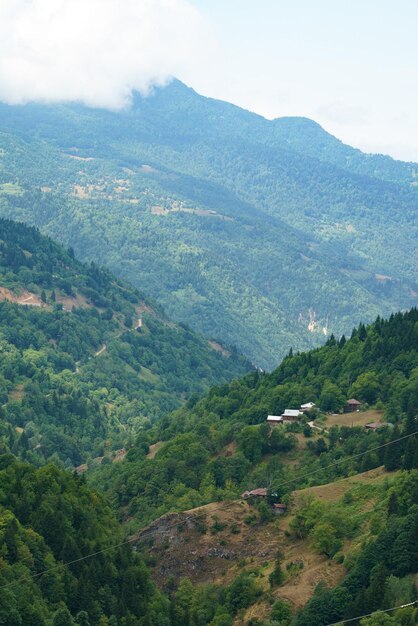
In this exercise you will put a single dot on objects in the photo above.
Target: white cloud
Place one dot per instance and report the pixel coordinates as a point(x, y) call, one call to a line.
point(95, 51)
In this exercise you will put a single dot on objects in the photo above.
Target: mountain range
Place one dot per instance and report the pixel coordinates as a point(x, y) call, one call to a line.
point(90, 373)
point(265, 235)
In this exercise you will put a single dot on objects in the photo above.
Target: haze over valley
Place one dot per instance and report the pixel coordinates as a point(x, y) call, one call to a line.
point(263, 234)
point(208, 313)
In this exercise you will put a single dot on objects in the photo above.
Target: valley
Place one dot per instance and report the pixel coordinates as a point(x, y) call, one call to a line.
point(262, 234)
point(208, 313)
point(142, 484)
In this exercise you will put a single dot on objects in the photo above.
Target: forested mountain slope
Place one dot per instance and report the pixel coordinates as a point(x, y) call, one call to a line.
point(49, 517)
point(265, 234)
point(351, 493)
point(85, 360)
point(347, 553)
point(221, 445)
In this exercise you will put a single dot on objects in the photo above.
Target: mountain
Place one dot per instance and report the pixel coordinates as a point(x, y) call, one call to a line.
point(346, 542)
point(264, 234)
point(87, 361)
point(88, 364)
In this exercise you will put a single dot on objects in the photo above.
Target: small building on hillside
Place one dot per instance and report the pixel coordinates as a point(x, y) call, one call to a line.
point(261, 492)
point(279, 508)
point(305, 408)
point(291, 415)
point(352, 405)
point(275, 419)
point(288, 417)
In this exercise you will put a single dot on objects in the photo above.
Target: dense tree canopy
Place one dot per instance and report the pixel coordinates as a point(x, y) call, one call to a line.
point(264, 234)
point(58, 398)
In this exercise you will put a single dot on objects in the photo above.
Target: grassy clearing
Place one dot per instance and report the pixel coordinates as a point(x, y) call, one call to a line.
point(10, 189)
point(226, 537)
point(359, 418)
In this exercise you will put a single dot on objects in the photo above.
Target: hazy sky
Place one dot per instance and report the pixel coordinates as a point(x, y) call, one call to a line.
point(352, 65)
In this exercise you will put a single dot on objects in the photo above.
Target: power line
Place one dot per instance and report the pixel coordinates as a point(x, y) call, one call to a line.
point(152, 531)
point(347, 458)
point(353, 619)
point(104, 550)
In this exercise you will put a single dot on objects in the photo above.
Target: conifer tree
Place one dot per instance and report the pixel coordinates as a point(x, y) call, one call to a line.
point(411, 422)
point(393, 454)
point(277, 576)
point(82, 619)
point(410, 454)
point(393, 505)
point(62, 618)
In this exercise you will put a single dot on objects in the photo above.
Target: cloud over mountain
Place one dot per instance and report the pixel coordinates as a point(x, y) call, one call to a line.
point(95, 51)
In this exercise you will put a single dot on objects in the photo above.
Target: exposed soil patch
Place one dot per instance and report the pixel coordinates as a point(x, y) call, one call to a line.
point(181, 548)
point(229, 450)
point(159, 210)
point(153, 449)
point(79, 158)
point(119, 455)
point(68, 302)
point(17, 393)
point(24, 297)
point(219, 348)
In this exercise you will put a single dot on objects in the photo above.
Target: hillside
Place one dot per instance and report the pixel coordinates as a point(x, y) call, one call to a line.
point(263, 571)
point(48, 518)
point(263, 234)
point(86, 359)
point(179, 490)
point(220, 446)
point(226, 533)
point(91, 372)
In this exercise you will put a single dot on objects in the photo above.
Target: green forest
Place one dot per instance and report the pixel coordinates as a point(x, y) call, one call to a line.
point(80, 380)
point(49, 517)
point(378, 364)
point(59, 400)
point(263, 234)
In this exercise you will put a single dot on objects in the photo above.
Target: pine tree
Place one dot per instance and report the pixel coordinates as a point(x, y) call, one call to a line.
point(393, 455)
point(82, 619)
point(362, 332)
point(410, 454)
point(377, 585)
point(411, 423)
point(62, 618)
point(277, 576)
point(393, 505)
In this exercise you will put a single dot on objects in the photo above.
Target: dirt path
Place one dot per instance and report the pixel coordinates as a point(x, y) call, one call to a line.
point(101, 351)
